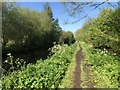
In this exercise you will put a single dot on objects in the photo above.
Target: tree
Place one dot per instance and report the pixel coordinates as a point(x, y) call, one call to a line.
point(28, 31)
point(31, 30)
point(67, 38)
point(81, 10)
point(83, 34)
point(102, 32)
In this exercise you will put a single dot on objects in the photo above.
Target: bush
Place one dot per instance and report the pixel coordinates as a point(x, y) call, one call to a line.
point(67, 38)
point(102, 32)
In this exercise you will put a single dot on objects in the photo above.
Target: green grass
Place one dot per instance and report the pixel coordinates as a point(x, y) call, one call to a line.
point(83, 75)
point(47, 74)
point(103, 67)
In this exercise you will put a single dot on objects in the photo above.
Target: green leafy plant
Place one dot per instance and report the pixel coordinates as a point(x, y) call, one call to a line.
point(103, 66)
point(56, 48)
point(43, 74)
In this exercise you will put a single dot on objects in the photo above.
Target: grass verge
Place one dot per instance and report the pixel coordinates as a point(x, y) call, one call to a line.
point(103, 67)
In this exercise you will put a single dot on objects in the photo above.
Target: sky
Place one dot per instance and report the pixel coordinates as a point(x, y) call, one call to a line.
point(59, 12)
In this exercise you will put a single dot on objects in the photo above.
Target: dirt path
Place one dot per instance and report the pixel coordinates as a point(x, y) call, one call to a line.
point(77, 80)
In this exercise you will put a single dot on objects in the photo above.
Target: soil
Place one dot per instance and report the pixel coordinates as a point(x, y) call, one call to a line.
point(77, 80)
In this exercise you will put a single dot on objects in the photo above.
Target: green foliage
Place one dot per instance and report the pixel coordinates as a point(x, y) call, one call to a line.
point(103, 37)
point(106, 31)
point(67, 38)
point(56, 48)
point(47, 74)
point(103, 65)
point(12, 24)
point(83, 34)
point(31, 28)
point(28, 31)
point(102, 32)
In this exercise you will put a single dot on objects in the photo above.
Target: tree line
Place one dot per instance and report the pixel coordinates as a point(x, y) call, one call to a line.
point(26, 31)
point(102, 32)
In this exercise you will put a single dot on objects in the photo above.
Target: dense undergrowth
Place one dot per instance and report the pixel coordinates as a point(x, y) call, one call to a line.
point(43, 74)
point(103, 66)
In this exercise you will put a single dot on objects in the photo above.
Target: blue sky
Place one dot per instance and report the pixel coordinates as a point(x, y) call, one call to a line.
point(58, 12)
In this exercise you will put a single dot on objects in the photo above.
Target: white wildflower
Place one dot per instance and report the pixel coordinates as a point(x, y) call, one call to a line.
point(105, 54)
point(114, 53)
point(9, 54)
point(6, 61)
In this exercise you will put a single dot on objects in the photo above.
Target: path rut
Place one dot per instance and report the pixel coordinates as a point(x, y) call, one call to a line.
point(77, 79)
